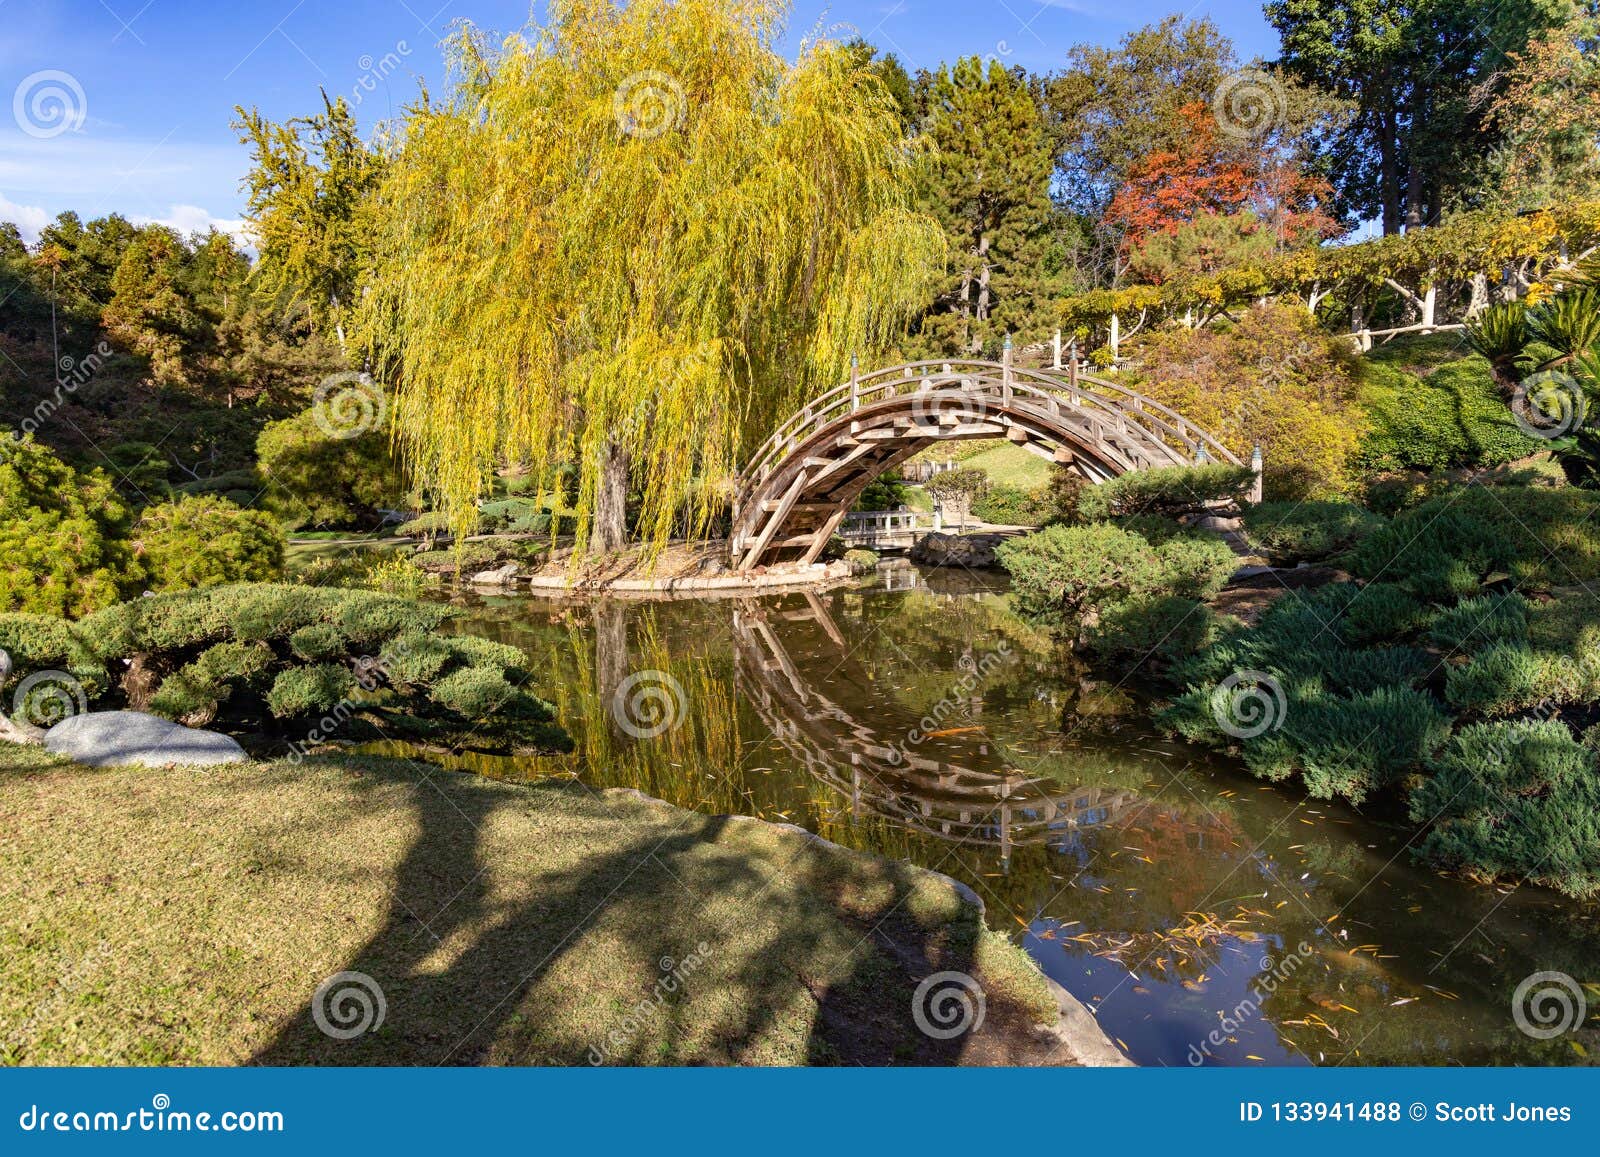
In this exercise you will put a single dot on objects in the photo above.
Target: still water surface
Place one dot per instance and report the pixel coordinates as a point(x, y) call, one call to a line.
point(1203, 916)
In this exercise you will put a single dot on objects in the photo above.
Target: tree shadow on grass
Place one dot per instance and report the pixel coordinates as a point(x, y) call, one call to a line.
point(657, 937)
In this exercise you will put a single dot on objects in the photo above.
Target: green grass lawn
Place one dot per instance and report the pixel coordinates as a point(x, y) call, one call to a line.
point(190, 915)
point(1012, 466)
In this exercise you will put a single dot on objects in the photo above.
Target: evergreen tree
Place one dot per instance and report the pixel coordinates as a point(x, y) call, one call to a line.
point(989, 186)
point(1421, 75)
point(311, 186)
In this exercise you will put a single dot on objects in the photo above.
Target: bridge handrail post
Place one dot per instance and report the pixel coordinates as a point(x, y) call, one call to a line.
point(855, 383)
point(1005, 373)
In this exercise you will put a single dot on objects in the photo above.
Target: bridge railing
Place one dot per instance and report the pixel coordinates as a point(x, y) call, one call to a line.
point(1107, 402)
point(864, 525)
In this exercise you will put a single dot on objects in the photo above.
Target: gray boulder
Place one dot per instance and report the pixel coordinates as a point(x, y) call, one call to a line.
point(968, 550)
point(112, 738)
point(500, 576)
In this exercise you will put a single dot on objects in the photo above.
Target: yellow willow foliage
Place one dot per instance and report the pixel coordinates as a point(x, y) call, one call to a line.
point(640, 229)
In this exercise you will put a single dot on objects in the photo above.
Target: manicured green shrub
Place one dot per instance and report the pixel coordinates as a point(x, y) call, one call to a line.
point(514, 516)
point(1454, 416)
point(1063, 573)
point(317, 641)
point(1445, 556)
point(1160, 627)
point(63, 534)
point(316, 476)
point(1309, 635)
point(1344, 746)
point(1447, 546)
point(302, 691)
point(429, 524)
point(1169, 491)
point(861, 561)
point(1194, 566)
point(1516, 800)
point(1506, 678)
point(295, 653)
point(1380, 613)
point(205, 541)
point(464, 558)
point(1006, 505)
point(1389, 494)
point(1294, 532)
point(1553, 659)
point(1476, 623)
point(886, 492)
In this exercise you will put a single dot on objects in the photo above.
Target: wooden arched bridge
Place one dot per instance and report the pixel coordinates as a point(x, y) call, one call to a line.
point(801, 482)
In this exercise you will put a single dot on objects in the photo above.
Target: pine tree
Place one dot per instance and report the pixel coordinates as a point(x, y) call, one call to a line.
point(989, 186)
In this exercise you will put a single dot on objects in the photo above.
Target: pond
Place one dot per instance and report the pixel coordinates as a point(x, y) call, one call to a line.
point(1203, 916)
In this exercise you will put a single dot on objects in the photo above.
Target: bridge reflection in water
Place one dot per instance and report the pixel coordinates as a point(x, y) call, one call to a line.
point(881, 774)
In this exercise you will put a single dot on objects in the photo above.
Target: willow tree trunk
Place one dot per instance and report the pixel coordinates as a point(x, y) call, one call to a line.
point(610, 529)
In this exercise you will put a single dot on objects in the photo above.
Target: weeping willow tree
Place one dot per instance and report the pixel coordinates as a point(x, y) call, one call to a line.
point(632, 238)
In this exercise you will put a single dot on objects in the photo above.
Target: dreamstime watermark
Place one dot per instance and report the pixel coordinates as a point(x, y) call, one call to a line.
point(945, 407)
point(1250, 103)
point(160, 1117)
point(674, 977)
point(71, 375)
point(1248, 703)
point(650, 104)
point(45, 698)
point(947, 1005)
point(1232, 1020)
point(1548, 1004)
point(348, 404)
point(954, 701)
point(373, 673)
point(648, 704)
point(1549, 405)
point(348, 1005)
point(48, 103)
point(377, 72)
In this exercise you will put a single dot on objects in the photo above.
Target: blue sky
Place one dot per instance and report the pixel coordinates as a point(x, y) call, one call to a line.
point(151, 84)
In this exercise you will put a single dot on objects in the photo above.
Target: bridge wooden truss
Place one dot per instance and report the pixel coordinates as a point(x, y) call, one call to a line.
point(798, 486)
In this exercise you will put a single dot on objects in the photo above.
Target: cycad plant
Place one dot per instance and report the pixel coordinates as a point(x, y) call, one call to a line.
point(1500, 333)
point(1568, 323)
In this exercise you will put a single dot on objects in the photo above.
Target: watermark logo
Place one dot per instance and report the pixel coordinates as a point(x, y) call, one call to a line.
point(954, 702)
point(45, 698)
point(1547, 1004)
point(1249, 103)
point(49, 103)
point(648, 704)
point(1548, 405)
point(1273, 973)
point(348, 1005)
point(947, 1005)
point(1248, 703)
point(948, 404)
point(649, 104)
point(376, 72)
point(349, 404)
point(674, 978)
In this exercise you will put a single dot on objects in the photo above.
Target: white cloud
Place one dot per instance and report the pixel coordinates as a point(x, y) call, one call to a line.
point(187, 219)
point(29, 219)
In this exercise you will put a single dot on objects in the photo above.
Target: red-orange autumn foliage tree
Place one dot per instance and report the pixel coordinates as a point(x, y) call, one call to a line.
point(1207, 175)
